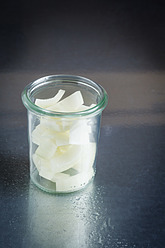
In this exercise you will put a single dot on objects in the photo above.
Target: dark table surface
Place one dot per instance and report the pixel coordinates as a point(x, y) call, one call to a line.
point(121, 46)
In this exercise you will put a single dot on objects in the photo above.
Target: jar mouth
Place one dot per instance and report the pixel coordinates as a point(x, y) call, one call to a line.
point(30, 89)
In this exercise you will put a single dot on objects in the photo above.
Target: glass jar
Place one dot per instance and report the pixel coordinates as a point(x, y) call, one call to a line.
point(63, 143)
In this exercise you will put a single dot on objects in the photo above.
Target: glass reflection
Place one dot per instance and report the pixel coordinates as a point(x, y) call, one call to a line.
point(58, 220)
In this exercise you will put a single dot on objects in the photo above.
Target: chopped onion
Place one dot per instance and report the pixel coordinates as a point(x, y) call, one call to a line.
point(87, 158)
point(79, 133)
point(65, 157)
point(46, 149)
point(74, 182)
point(65, 154)
point(69, 104)
point(45, 103)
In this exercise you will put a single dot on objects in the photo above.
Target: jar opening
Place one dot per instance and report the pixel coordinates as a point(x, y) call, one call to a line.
point(48, 86)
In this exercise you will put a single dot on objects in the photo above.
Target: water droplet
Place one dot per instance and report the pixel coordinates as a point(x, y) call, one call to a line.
point(109, 221)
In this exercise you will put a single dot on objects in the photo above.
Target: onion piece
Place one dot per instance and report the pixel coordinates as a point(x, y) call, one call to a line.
point(45, 103)
point(61, 139)
point(79, 132)
point(65, 158)
point(53, 124)
point(41, 162)
point(46, 149)
point(74, 182)
point(52, 177)
point(37, 133)
point(69, 104)
point(87, 158)
point(84, 107)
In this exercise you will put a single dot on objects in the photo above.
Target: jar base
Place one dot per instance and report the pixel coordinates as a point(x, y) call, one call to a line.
point(50, 187)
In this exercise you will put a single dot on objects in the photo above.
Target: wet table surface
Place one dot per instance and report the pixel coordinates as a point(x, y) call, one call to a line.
point(124, 206)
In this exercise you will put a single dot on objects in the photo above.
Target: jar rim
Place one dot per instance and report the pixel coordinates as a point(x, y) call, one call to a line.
point(99, 107)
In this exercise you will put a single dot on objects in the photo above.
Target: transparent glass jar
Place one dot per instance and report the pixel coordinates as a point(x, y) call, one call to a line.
point(63, 144)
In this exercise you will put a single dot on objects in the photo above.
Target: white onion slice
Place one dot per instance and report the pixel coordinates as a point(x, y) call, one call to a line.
point(45, 171)
point(74, 182)
point(41, 133)
point(65, 158)
point(69, 104)
point(41, 162)
point(61, 139)
point(37, 133)
point(48, 174)
point(45, 103)
point(52, 124)
point(60, 176)
point(87, 158)
point(46, 149)
point(79, 133)
point(84, 107)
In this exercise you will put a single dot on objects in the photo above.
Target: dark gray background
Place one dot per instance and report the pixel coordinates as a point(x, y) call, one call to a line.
point(119, 44)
